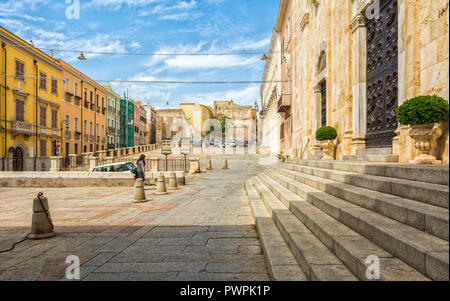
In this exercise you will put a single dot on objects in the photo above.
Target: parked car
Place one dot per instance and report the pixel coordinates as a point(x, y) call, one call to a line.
point(116, 167)
point(231, 143)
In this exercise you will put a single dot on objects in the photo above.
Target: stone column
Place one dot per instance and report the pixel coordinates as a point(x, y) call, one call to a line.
point(73, 160)
point(154, 164)
point(93, 162)
point(315, 146)
point(55, 164)
point(194, 165)
point(360, 79)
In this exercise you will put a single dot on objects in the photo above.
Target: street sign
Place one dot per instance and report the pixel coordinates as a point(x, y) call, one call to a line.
point(165, 147)
point(58, 143)
point(186, 146)
point(57, 152)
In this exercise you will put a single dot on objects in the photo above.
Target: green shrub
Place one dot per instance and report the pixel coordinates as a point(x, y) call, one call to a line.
point(326, 133)
point(423, 110)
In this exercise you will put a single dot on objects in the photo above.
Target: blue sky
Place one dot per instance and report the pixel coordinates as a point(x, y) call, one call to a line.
point(155, 26)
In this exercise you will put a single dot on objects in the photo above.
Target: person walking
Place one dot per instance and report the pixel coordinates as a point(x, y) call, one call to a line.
point(141, 168)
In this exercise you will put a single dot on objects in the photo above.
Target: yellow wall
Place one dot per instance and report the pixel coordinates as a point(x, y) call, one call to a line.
point(196, 115)
point(47, 99)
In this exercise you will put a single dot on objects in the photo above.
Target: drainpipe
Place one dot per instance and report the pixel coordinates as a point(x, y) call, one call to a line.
point(95, 120)
point(37, 122)
point(6, 110)
point(82, 120)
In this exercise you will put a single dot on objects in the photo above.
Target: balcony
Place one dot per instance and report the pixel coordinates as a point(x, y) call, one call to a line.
point(86, 137)
point(86, 104)
point(20, 127)
point(284, 103)
point(77, 136)
point(104, 111)
point(91, 138)
point(68, 97)
point(103, 140)
point(77, 100)
point(111, 131)
point(111, 110)
point(68, 135)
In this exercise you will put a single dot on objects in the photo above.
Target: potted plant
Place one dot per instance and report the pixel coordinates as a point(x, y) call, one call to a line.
point(326, 135)
point(423, 113)
point(280, 157)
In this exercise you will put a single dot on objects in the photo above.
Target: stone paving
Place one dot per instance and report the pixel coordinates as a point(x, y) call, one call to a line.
point(203, 231)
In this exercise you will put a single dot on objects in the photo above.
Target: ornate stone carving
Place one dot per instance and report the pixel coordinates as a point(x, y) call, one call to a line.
point(304, 21)
point(327, 149)
point(358, 21)
point(425, 137)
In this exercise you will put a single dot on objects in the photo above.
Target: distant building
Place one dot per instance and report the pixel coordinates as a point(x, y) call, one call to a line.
point(127, 122)
point(113, 118)
point(244, 118)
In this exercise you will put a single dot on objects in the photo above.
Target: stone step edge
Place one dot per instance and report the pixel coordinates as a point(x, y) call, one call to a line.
point(350, 178)
point(272, 242)
point(312, 273)
point(429, 257)
point(291, 199)
point(429, 219)
point(427, 174)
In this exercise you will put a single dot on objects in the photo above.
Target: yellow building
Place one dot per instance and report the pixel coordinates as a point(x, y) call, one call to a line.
point(30, 99)
point(196, 115)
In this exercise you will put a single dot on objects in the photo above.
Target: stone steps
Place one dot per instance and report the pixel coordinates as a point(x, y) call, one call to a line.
point(434, 194)
point(428, 218)
point(434, 174)
point(315, 259)
point(373, 158)
point(425, 253)
point(350, 247)
point(281, 263)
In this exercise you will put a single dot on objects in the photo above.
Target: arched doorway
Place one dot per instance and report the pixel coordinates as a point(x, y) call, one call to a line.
point(18, 159)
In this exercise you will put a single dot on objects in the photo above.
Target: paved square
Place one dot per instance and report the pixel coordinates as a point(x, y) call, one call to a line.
point(203, 231)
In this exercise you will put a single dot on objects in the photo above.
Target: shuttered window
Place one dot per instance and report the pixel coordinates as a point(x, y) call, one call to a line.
point(42, 81)
point(20, 110)
point(54, 86)
point(43, 116)
point(54, 119)
point(43, 148)
point(20, 70)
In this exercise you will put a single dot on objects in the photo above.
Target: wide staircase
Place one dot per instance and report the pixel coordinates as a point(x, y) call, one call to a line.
point(327, 220)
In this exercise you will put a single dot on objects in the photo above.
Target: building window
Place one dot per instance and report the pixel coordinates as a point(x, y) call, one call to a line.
point(75, 122)
point(43, 148)
point(42, 81)
point(20, 110)
point(67, 123)
point(91, 97)
point(67, 82)
point(43, 116)
point(20, 70)
point(91, 128)
point(76, 148)
point(55, 119)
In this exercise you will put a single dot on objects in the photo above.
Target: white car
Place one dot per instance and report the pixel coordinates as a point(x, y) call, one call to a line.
point(115, 167)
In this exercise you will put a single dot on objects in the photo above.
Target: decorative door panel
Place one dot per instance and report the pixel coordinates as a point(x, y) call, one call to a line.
point(382, 76)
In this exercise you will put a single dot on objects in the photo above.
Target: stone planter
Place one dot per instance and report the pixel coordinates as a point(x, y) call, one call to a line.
point(425, 136)
point(327, 149)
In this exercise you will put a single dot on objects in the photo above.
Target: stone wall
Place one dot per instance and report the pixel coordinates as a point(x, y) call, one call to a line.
point(337, 29)
point(74, 179)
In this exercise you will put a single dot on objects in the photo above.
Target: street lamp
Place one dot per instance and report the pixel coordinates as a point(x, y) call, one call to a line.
point(264, 57)
point(81, 57)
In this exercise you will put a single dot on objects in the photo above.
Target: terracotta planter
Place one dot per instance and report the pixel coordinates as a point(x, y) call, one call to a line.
point(327, 149)
point(425, 136)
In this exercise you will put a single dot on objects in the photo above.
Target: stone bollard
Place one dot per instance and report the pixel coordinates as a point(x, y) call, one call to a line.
point(209, 165)
point(55, 164)
point(41, 222)
point(225, 164)
point(161, 185)
point(139, 195)
point(172, 181)
point(154, 164)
